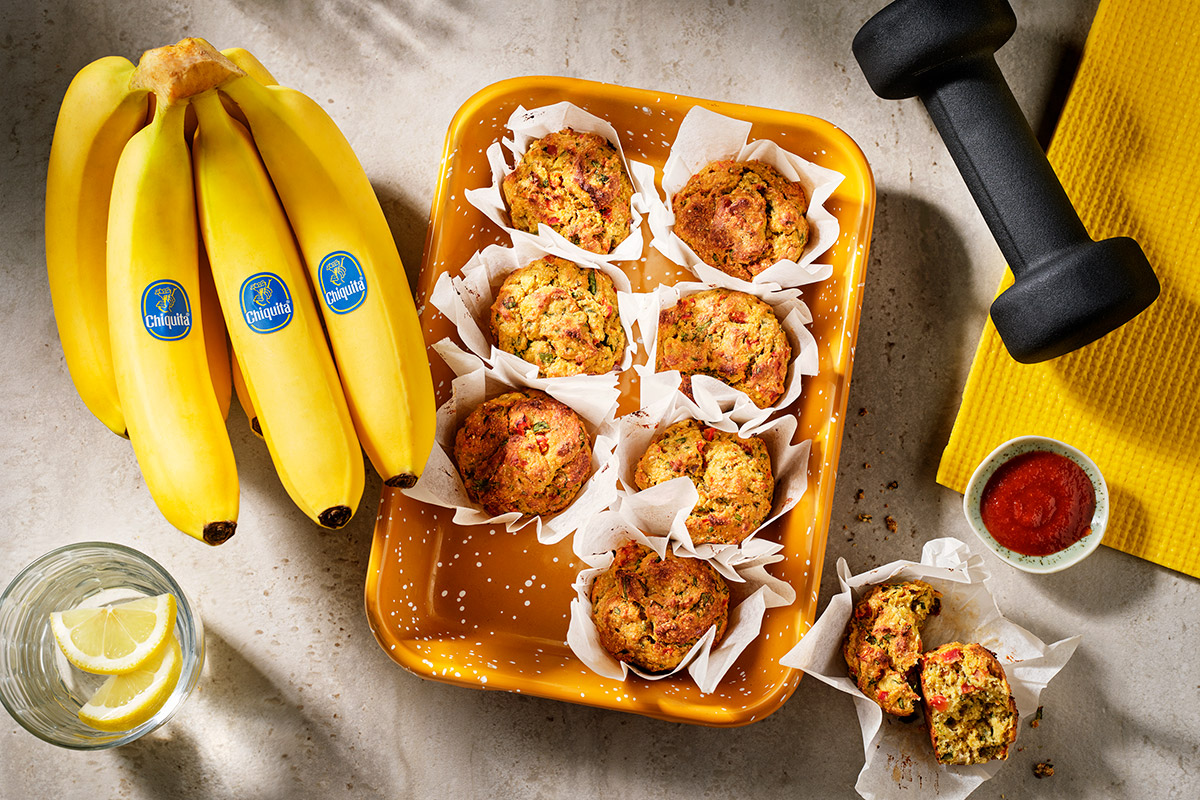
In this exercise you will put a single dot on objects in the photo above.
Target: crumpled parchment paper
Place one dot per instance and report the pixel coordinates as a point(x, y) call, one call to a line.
point(898, 755)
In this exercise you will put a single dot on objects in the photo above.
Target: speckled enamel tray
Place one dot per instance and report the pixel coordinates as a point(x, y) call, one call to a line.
point(482, 608)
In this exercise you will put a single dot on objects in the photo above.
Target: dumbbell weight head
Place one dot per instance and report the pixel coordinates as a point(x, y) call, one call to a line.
point(900, 45)
point(1074, 298)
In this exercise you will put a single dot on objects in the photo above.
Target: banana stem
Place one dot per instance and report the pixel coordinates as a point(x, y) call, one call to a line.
point(178, 71)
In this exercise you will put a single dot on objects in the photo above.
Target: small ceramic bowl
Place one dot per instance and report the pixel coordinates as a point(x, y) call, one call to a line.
point(1055, 561)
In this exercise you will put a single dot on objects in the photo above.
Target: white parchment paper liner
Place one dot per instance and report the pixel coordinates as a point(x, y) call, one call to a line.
point(899, 756)
point(592, 397)
point(663, 509)
point(752, 591)
point(441, 485)
point(529, 125)
point(467, 301)
point(717, 403)
point(705, 136)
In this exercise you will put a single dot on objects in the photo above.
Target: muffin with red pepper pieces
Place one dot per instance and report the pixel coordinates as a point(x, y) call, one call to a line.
point(969, 708)
point(732, 475)
point(883, 644)
point(731, 336)
point(650, 611)
point(741, 217)
point(561, 317)
point(523, 451)
point(576, 183)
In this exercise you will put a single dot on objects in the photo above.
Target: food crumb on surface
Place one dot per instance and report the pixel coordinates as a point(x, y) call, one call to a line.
point(1037, 718)
point(862, 412)
point(893, 485)
point(890, 521)
point(864, 517)
point(1043, 769)
point(858, 495)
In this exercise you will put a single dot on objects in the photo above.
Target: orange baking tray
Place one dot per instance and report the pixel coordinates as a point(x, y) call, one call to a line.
point(479, 607)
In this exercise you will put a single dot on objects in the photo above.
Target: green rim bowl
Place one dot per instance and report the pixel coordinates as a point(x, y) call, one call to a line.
point(1055, 561)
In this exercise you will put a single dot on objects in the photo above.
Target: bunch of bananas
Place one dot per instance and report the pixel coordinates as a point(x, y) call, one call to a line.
point(193, 204)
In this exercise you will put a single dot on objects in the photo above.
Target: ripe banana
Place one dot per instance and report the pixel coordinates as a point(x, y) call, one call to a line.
point(157, 324)
point(355, 270)
point(98, 116)
point(272, 322)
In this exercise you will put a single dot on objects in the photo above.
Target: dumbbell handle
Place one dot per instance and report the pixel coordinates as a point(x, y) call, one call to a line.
point(1021, 198)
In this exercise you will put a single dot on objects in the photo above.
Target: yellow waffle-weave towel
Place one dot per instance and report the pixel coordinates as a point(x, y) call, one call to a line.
point(1127, 150)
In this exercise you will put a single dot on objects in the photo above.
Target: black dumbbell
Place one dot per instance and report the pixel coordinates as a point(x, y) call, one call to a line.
point(1068, 290)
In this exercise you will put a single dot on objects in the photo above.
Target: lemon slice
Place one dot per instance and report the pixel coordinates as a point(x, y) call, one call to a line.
point(125, 701)
point(117, 639)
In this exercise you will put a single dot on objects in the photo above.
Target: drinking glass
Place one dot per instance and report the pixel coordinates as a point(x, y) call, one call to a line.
point(38, 686)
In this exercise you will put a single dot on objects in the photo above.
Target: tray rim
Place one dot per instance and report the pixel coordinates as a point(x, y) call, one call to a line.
point(770, 701)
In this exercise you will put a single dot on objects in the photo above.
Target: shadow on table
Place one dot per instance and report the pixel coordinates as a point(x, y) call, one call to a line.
point(1083, 734)
point(408, 224)
point(1103, 586)
point(920, 321)
point(239, 735)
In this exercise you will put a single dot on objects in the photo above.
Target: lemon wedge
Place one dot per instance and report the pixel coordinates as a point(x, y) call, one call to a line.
point(125, 701)
point(117, 639)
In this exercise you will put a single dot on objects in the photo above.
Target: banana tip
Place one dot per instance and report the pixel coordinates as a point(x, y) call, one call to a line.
point(218, 532)
point(404, 480)
point(335, 517)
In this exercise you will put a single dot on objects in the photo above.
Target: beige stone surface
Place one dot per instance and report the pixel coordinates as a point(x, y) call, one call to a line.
point(297, 700)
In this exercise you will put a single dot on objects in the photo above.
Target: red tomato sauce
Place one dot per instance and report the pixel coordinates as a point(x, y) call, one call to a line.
point(1038, 503)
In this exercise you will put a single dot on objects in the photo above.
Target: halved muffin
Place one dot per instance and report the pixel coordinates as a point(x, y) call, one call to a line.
point(883, 644)
point(969, 707)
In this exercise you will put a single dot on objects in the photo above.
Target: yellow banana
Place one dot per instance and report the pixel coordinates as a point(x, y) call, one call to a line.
point(98, 116)
point(272, 322)
point(250, 65)
point(243, 395)
point(157, 331)
point(355, 270)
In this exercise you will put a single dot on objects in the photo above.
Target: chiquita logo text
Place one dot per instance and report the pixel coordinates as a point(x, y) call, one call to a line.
point(266, 302)
point(166, 312)
point(343, 285)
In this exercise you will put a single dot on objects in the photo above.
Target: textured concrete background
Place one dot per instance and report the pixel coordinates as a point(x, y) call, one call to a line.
point(297, 699)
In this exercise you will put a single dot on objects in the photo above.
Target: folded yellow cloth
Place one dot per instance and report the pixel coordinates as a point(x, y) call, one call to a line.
point(1127, 150)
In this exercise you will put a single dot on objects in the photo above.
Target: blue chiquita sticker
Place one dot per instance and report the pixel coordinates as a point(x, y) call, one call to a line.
point(343, 285)
point(166, 311)
point(266, 302)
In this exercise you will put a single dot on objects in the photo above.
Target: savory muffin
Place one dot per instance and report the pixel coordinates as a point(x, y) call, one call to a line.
point(523, 451)
point(741, 216)
point(732, 476)
point(650, 611)
point(883, 644)
point(561, 317)
point(728, 335)
point(575, 183)
point(969, 707)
